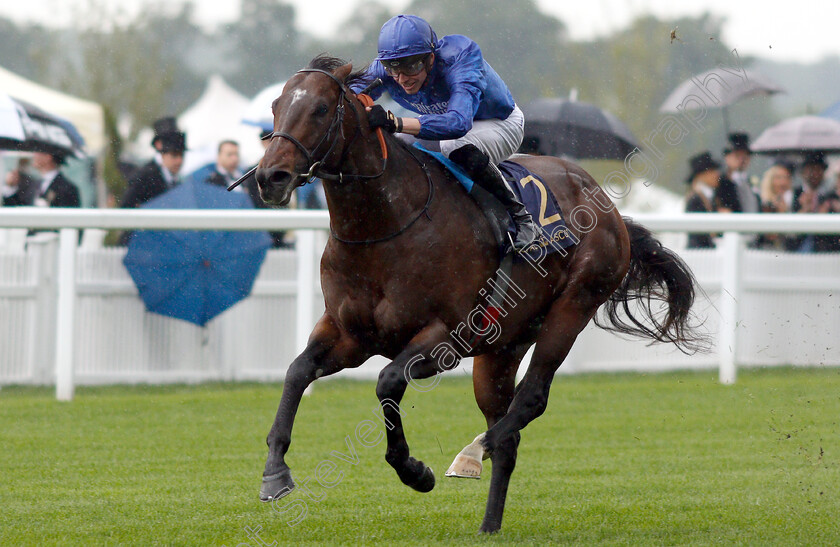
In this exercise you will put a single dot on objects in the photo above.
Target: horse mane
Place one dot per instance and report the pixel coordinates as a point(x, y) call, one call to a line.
point(329, 63)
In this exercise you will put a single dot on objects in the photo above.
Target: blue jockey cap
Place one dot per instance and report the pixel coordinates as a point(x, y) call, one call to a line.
point(405, 35)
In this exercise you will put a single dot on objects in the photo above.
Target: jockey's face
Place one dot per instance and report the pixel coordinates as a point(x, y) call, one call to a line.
point(412, 84)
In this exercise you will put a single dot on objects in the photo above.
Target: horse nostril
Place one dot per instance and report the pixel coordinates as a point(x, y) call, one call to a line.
point(272, 176)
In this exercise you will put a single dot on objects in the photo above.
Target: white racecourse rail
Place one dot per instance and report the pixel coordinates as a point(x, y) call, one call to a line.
point(70, 314)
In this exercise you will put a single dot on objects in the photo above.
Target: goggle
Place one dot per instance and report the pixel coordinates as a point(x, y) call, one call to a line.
point(408, 66)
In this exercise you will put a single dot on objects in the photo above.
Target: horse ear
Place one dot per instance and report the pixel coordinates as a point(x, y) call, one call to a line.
point(343, 71)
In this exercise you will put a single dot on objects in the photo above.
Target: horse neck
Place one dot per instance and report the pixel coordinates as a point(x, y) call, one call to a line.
point(364, 209)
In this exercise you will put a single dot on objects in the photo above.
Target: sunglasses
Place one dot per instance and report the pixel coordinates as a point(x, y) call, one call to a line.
point(408, 66)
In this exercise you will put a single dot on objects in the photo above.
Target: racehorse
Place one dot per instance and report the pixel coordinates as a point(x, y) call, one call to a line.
point(408, 255)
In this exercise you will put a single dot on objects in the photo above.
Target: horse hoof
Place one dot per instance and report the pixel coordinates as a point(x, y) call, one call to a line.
point(465, 467)
point(426, 481)
point(277, 485)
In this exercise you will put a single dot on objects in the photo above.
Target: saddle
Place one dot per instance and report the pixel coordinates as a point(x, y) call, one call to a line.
point(532, 192)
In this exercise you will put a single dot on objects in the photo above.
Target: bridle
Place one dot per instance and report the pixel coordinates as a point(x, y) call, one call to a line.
point(335, 130)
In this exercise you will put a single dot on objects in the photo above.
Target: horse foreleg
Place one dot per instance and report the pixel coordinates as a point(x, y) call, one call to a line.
point(413, 363)
point(327, 352)
point(567, 317)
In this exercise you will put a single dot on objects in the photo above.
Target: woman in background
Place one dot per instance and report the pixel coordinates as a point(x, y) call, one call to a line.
point(776, 191)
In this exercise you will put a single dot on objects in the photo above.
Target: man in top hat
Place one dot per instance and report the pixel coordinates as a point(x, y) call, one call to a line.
point(55, 190)
point(734, 193)
point(161, 173)
point(704, 178)
point(806, 198)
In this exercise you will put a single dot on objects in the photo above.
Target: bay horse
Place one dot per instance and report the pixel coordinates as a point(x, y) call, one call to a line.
point(407, 258)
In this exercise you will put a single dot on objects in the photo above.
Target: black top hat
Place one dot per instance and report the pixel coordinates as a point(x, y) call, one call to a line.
point(173, 142)
point(738, 141)
point(264, 134)
point(164, 126)
point(814, 157)
point(700, 163)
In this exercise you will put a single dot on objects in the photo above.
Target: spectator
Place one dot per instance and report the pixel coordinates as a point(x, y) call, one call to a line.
point(20, 188)
point(55, 189)
point(160, 174)
point(734, 194)
point(806, 198)
point(777, 197)
point(777, 189)
point(830, 203)
point(226, 171)
point(704, 178)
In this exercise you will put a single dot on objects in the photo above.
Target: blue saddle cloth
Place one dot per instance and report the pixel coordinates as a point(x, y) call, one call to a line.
point(531, 191)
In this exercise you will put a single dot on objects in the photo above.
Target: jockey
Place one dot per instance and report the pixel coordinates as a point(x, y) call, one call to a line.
point(463, 105)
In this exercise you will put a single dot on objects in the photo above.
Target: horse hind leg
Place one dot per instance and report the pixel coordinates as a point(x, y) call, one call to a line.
point(565, 320)
point(494, 378)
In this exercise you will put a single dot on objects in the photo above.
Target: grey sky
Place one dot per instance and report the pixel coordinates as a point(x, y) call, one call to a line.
point(805, 30)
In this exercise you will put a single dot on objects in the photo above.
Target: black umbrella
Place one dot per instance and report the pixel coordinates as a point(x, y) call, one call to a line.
point(27, 128)
point(718, 88)
point(560, 127)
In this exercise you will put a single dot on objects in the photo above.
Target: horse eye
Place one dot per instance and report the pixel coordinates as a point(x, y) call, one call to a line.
point(321, 110)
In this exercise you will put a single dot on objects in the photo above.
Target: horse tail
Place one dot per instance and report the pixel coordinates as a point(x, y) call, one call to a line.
point(663, 289)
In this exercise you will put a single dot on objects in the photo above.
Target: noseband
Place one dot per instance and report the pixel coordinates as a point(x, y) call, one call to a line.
point(335, 129)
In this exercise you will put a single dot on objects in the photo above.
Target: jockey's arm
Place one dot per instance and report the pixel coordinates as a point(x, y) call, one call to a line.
point(410, 126)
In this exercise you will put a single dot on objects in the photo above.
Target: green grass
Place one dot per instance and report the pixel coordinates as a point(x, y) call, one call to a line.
point(617, 459)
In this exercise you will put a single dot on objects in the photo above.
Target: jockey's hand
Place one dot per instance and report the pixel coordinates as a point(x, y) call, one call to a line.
point(379, 117)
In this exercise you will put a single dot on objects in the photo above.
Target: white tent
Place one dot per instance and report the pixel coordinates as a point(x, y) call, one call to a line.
point(87, 116)
point(214, 117)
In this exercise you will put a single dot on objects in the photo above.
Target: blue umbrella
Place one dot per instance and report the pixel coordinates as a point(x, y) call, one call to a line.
point(195, 275)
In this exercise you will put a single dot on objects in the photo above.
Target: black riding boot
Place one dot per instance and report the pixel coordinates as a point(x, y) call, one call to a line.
point(482, 171)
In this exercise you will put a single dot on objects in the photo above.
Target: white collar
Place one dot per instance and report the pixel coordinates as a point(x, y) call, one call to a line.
point(48, 179)
point(707, 191)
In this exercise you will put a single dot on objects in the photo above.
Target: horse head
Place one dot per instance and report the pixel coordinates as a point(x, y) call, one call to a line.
point(308, 135)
